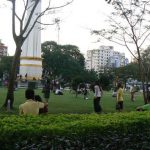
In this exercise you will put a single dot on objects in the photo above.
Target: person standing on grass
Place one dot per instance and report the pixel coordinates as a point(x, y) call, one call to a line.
point(85, 92)
point(119, 104)
point(132, 91)
point(30, 107)
point(97, 97)
point(46, 90)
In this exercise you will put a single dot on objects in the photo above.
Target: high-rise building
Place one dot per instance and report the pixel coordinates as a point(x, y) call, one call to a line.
point(3, 49)
point(104, 57)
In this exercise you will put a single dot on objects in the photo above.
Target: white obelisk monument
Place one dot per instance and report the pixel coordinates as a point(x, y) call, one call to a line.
point(30, 60)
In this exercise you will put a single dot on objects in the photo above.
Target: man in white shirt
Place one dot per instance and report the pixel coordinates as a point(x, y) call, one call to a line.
point(97, 97)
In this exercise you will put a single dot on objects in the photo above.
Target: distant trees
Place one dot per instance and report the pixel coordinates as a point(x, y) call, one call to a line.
point(129, 71)
point(5, 65)
point(129, 27)
point(63, 61)
point(146, 64)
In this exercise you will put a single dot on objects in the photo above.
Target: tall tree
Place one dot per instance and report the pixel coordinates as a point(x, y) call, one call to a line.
point(25, 27)
point(129, 71)
point(146, 63)
point(129, 27)
point(62, 60)
point(74, 52)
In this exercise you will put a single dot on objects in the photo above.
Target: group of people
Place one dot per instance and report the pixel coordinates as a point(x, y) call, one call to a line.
point(98, 92)
point(34, 104)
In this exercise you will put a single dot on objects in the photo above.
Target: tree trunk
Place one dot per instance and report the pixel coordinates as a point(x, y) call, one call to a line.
point(142, 73)
point(147, 88)
point(12, 77)
point(141, 70)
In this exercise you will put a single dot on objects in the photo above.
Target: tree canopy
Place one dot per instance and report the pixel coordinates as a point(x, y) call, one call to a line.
point(63, 61)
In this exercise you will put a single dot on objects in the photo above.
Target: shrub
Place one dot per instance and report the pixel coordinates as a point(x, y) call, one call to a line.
point(104, 132)
point(32, 84)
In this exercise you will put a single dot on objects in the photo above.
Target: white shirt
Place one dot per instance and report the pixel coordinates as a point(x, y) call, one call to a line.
point(97, 91)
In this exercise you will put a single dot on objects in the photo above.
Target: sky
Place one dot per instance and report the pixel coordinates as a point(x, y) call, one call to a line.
point(76, 22)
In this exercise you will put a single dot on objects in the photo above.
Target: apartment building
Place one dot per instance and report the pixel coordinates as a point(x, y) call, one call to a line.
point(104, 57)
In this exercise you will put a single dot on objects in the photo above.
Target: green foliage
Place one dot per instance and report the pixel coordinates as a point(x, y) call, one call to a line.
point(32, 84)
point(62, 60)
point(129, 71)
point(5, 64)
point(76, 81)
point(105, 81)
point(85, 76)
point(89, 76)
point(105, 132)
point(146, 62)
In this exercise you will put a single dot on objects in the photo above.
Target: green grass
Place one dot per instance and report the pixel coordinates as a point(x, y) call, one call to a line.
point(68, 103)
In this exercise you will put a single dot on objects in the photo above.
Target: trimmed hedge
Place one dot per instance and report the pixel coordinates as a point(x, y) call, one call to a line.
point(117, 131)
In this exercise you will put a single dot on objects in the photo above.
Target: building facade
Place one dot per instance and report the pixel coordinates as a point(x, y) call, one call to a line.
point(3, 49)
point(104, 57)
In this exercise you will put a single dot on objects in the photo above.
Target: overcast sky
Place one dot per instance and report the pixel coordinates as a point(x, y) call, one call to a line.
point(76, 22)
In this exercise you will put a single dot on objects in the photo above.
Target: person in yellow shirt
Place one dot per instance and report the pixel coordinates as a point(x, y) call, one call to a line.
point(119, 104)
point(30, 107)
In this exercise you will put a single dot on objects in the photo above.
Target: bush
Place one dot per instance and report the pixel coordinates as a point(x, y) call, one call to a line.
point(32, 84)
point(118, 131)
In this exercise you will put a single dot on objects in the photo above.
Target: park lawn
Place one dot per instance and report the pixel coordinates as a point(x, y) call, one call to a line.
point(68, 103)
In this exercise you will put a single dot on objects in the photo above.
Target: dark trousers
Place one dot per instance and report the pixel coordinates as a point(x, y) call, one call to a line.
point(97, 106)
point(132, 96)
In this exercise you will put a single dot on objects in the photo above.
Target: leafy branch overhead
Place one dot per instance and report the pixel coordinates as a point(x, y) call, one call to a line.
point(26, 28)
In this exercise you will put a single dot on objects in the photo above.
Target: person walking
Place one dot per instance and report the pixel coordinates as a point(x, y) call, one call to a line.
point(97, 97)
point(85, 91)
point(132, 91)
point(46, 90)
point(119, 104)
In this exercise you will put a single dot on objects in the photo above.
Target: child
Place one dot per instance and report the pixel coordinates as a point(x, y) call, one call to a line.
point(42, 110)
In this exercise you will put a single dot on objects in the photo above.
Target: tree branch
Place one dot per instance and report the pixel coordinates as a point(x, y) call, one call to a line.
point(30, 16)
point(68, 3)
point(144, 39)
point(129, 48)
point(23, 16)
point(119, 26)
point(13, 19)
point(39, 16)
point(46, 23)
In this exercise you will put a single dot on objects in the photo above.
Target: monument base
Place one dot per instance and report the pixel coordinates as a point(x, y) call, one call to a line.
point(30, 68)
point(33, 84)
